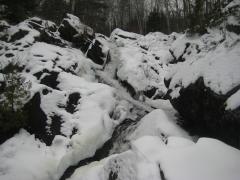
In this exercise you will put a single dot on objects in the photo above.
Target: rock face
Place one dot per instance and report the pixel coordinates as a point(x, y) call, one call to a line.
point(83, 37)
point(95, 52)
point(72, 26)
point(35, 29)
point(204, 83)
point(204, 113)
point(232, 13)
point(204, 77)
point(38, 120)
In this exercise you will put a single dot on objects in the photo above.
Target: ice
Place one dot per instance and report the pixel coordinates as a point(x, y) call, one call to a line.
point(233, 102)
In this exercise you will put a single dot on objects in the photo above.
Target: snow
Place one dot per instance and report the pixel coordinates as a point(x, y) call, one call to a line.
point(29, 38)
point(54, 58)
point(139, 74)
point(123, 37)
point(158, 45)
point(232, 20)
point(187, 162)
point(72, 82)
point(219, 68)
point(104, 41)
point(179, 159)
point(190, 162)
point(4, 23)
point(141, 60)
point(233, 102)
point(25, 158)
point(160, 104)
point(234, 3)
point(158, 123)
point(91, 118)
point(177, 142)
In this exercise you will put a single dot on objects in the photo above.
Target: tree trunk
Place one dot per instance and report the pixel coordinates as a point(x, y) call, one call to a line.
point(73, 6)
point(166, 4)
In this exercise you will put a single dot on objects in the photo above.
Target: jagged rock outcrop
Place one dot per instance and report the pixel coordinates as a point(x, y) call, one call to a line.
point(202, 83)
point(83, 37)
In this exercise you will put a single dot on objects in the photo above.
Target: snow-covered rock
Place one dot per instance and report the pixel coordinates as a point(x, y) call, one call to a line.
point(98, 50)
point(83, 37)
point(158, 123)
point(232, 14)
point(205, 77)
point(179, 159)
point(141, 62)
point(72, 26)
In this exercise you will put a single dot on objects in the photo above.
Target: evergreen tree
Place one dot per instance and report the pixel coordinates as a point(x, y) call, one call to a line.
point(15, 92)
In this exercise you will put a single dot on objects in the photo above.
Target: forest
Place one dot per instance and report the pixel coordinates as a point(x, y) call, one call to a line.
point(140, 16)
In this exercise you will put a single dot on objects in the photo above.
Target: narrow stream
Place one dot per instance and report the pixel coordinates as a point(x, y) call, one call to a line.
point(118, 143)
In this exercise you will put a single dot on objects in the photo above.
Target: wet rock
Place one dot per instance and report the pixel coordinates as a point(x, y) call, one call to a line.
point(96, 54)
point(18, 35)
point(72, 26)
point(179, 58)
point(40, 24)
point(50, 80)
point(67, 32)
point(55, 127)
point(82, 42)
point(3, 26)
point(45, 91)
point(50, 38)
point(203, 112)
point(150, 92)
point(129, 88)
point(37, 119)
point(72, 102)
point(8, 55)
point(233, 28)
